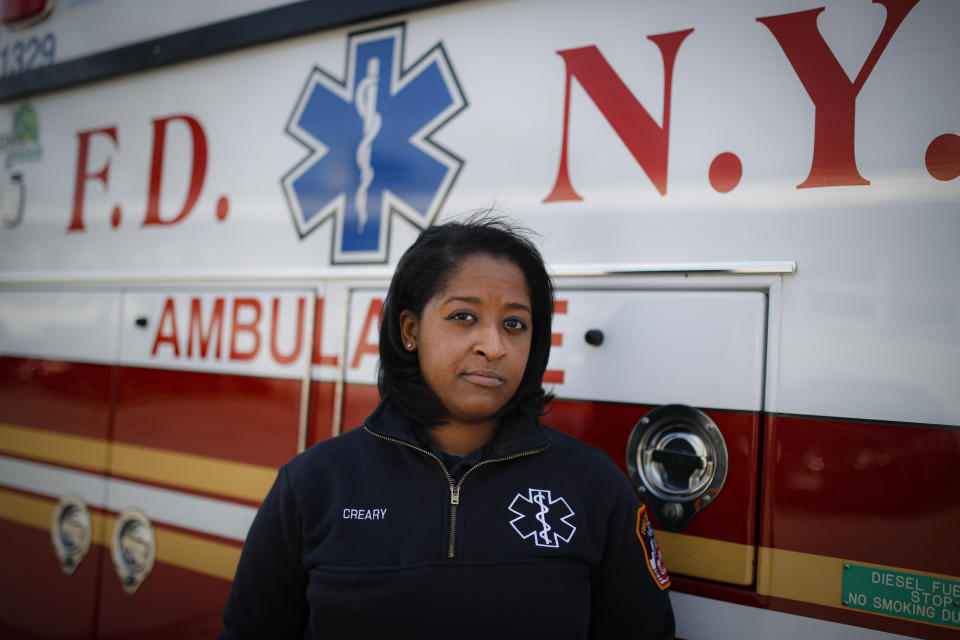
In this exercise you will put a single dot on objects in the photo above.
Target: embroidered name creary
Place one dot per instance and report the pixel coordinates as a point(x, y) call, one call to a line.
point(365, 514)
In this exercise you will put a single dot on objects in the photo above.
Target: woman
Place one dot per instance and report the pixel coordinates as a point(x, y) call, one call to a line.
point(453, 512)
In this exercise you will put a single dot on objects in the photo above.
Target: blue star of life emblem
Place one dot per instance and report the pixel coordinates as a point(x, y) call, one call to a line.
point(371, 154)
point(542, 517)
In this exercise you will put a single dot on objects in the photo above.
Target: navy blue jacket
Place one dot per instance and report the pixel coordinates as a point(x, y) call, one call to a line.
point(366, 534)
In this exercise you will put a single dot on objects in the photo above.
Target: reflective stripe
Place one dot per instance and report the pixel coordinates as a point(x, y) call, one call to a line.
point(207, 515)
point(189, 471)
point(811, 578)
point(211, 557)
point(707, 558)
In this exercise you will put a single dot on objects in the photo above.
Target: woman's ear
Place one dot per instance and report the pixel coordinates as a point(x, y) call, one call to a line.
point(409, 329)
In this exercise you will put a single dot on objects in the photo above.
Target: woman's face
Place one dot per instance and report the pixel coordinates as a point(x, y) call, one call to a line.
point(473, 338)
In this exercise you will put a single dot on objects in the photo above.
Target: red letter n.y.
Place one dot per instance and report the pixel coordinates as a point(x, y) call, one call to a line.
point(646, 141)
point(834, 95)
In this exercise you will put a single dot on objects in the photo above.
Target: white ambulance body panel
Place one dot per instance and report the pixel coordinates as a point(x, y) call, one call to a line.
point(864, 253)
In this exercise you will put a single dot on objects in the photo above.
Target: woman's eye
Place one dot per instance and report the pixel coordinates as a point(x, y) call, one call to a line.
point(462, 316)
point(515, 324)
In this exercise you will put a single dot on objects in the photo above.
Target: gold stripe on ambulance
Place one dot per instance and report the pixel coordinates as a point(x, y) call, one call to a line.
point(791, 575)
point(51, 446)
point(707, 558)
point(794, 575)
point(190, 471)
point(234, 479)
point(196, 554)
point(808, 577)
point(217, 559)
point(812, 578)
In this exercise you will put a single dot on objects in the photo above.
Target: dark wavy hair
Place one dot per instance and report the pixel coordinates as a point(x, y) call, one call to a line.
point(422, 273)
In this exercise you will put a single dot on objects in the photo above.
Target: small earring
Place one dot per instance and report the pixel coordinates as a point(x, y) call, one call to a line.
point(409, 345)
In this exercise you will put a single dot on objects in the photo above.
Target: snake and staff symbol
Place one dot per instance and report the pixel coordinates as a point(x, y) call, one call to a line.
point(366, 104)
point(542, 517)
point(544, 532)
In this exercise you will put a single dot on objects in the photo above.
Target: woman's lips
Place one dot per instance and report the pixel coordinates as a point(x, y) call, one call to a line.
point(484, 378)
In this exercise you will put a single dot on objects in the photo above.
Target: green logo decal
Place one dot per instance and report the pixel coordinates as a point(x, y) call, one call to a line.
point(25, 127)
point(22, 144)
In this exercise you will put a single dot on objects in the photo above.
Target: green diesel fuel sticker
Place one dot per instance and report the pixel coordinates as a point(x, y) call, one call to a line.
point(905, 595)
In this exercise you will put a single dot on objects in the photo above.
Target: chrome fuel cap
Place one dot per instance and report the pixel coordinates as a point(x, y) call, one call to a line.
point(70, 532)
point(677, 460)
point(134, 548)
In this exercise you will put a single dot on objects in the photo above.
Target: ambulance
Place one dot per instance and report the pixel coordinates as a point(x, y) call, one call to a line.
point(751, 211)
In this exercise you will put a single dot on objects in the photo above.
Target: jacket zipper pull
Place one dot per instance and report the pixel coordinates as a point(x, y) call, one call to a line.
point(454, 494)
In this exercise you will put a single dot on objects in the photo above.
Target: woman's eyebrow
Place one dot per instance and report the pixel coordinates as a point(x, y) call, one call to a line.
point(519, 306)
point(475, 300)
point(470, 299)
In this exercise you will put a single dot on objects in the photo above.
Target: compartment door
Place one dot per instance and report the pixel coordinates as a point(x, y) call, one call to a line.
point(210, 401)
point(58, 354)
point(618, 354)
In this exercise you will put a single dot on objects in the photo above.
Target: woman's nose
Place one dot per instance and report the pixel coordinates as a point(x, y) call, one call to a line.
point(490, 342)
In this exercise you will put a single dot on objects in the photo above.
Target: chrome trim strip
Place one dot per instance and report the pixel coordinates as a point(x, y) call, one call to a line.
point(306, 380)
point(782, 267)
point(341, 385)
point(185, 510)
point(773, 267)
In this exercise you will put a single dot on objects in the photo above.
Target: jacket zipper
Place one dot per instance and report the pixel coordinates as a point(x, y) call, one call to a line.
point(454, 488)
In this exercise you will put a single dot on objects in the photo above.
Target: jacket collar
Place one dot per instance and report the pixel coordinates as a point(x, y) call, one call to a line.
point(517, 434)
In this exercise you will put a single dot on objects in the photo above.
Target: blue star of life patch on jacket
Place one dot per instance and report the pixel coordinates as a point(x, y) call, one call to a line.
point(371, 154)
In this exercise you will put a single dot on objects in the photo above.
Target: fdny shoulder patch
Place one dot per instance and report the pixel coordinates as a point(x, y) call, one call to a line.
point(651, 549)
